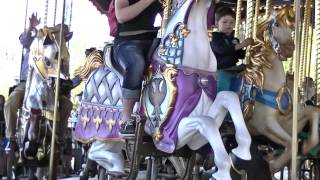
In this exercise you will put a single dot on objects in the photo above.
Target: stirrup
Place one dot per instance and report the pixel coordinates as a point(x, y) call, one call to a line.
point(128, 128)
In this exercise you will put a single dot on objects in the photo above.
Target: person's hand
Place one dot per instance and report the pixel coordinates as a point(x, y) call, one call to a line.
point(34, 21)
point(247, 42)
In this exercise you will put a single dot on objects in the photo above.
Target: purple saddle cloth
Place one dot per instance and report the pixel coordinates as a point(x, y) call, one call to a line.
point(100, 109)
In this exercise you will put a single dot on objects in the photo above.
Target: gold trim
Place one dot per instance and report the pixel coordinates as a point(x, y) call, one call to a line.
point(99, 139)
point(92, 62)
point(111, 123)
point(173, 40)
point(97, 121)
point(162, 49)
point(41, 67)
point(157, 135)
point(280, 94)
point(185, 31)
point(84, 119)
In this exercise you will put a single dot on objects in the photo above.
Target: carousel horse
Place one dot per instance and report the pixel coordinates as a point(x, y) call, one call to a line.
point(179, 98)
point(264, 91)
point(38, 105)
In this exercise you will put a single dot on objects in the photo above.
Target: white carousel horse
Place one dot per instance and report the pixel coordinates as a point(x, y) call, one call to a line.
point(38, 105)
point(272, 115)
point(184, 60)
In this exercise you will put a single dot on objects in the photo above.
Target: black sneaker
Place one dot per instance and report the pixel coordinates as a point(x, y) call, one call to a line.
point(128, 127)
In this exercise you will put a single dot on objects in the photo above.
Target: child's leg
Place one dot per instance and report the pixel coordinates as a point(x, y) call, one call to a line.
point(224, 80)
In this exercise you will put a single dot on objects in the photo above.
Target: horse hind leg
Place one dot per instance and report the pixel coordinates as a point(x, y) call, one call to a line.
point(282, 137)
point(313, 139)
point(224, 101)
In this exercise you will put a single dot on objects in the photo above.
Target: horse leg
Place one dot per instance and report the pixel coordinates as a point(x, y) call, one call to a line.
point(313, 139)
point(275, 130)
point(227, 100)
point(108, 155)
point(206, 130)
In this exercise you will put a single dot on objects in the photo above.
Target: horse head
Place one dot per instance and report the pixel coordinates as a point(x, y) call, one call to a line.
point(273, 42)
point(92, 62)
point(186, 38)
point(44, 51)
point(276, 32)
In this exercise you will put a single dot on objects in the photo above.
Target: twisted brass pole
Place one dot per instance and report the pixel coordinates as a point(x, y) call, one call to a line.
point(55, 12)
point(308, 37)
point(317, 41)
point(268, 8)
point(309, 48)
point(249, 24)
point(46, 8)
point(238, 19)
point(256, 18)
point(166, 14)
point(304, 43)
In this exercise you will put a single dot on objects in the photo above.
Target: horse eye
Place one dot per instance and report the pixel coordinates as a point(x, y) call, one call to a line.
point(276, 24)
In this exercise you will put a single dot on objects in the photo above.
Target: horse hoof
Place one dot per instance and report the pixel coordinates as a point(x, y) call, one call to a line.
point(238, 165)
point(116, 174)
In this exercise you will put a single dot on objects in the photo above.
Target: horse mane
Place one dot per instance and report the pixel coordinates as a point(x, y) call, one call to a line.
point(262, 49)
point(92, 62)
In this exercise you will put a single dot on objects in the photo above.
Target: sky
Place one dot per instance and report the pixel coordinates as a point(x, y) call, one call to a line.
point(90, 29)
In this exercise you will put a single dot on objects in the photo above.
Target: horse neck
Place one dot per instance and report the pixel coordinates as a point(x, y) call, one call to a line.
point(197, 51)
point(275, 77)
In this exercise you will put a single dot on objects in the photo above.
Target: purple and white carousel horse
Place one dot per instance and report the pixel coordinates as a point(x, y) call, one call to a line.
point(179, 98)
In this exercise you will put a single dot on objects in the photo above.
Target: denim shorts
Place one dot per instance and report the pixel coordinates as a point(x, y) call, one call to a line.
point(131, 55)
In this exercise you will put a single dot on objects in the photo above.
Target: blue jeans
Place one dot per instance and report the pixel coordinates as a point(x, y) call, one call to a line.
point(131, 55)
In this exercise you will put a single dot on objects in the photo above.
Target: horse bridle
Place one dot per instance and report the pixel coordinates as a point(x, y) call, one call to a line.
point(274, 42)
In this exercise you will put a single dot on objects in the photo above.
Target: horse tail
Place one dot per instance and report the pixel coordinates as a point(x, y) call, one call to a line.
point(92, 62)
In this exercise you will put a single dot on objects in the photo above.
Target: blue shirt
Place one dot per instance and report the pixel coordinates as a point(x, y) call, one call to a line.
point(26, 39)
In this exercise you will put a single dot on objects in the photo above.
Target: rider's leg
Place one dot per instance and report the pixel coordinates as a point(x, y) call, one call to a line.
point(131, 55)
point(128, 105)
point(11, 107)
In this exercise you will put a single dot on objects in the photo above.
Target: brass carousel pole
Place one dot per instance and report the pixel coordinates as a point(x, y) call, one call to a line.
point(55, 12)
point(166, 14)
point(295, 92)
point(256, 18)
point(249, 24)
point(304, 42)
point(309, 49)
point(238, 19)
point(307, 46)
point(53, 137)
point(46, 8)
point(268, 8)
point(317, 41)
